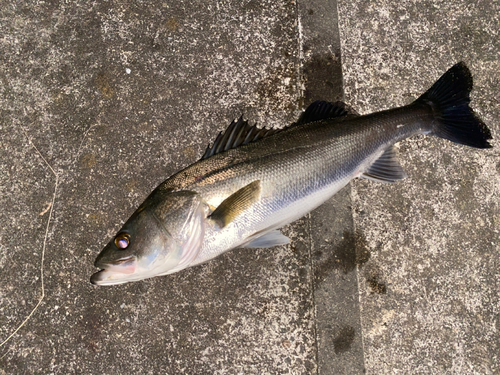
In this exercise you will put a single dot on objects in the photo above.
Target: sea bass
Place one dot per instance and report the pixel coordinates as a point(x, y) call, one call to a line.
point(252, 181)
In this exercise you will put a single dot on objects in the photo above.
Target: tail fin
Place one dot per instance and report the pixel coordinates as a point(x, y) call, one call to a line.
point(449, 99)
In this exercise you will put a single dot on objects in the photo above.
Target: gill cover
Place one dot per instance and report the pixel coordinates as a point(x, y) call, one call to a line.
point(182, 215)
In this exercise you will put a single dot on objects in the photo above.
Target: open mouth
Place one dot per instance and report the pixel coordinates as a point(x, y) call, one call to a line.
point(114, 273)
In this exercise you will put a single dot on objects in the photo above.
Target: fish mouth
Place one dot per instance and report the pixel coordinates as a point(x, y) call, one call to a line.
point(117, 272)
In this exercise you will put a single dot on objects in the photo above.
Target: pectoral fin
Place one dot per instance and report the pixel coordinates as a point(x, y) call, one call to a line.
point(270, 239)
point(236, 203)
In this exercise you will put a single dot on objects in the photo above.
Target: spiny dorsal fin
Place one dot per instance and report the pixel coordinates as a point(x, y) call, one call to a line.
point(386, 168)
point(241, 132)
point(321, 110)
point(236, 203)
point(237, 134)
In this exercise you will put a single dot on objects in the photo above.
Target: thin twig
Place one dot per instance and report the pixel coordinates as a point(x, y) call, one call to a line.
point(46, 210)
point(44, 243)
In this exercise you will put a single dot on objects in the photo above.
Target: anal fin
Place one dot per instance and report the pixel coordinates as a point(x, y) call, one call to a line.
point(386, 168)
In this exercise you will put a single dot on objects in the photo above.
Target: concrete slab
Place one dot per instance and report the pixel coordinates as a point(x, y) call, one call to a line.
point(331, 231)
point(116, 97)
point(429, 292)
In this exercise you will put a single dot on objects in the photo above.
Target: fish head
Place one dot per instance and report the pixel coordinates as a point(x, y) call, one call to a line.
point(163, 236)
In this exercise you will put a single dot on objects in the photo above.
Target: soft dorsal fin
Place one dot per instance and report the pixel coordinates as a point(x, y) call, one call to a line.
point(237, 134)
point(386, 168)
point(321, 110)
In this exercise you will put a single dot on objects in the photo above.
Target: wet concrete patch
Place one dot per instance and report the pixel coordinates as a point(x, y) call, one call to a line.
point(346, 255)
point(343, 340)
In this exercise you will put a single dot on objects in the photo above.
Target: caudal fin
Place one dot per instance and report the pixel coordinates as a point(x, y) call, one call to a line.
point(449, 99)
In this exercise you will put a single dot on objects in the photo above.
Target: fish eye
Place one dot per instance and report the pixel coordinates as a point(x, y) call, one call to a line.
point(122, 240)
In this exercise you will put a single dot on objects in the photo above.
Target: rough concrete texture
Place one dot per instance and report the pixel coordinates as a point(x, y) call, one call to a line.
point(116, 96)
point(429, 293)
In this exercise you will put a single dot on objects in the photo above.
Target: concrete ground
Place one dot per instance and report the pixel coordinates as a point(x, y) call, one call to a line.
point(101, 101)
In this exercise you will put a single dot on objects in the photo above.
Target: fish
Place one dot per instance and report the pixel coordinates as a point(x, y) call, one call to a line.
point(252, 181)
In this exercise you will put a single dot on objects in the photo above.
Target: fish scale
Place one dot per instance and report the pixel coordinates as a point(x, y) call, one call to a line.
point(297, 179)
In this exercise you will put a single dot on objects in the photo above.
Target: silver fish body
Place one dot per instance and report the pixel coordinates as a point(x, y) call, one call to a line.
point(241, 195)
point(299, 169)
